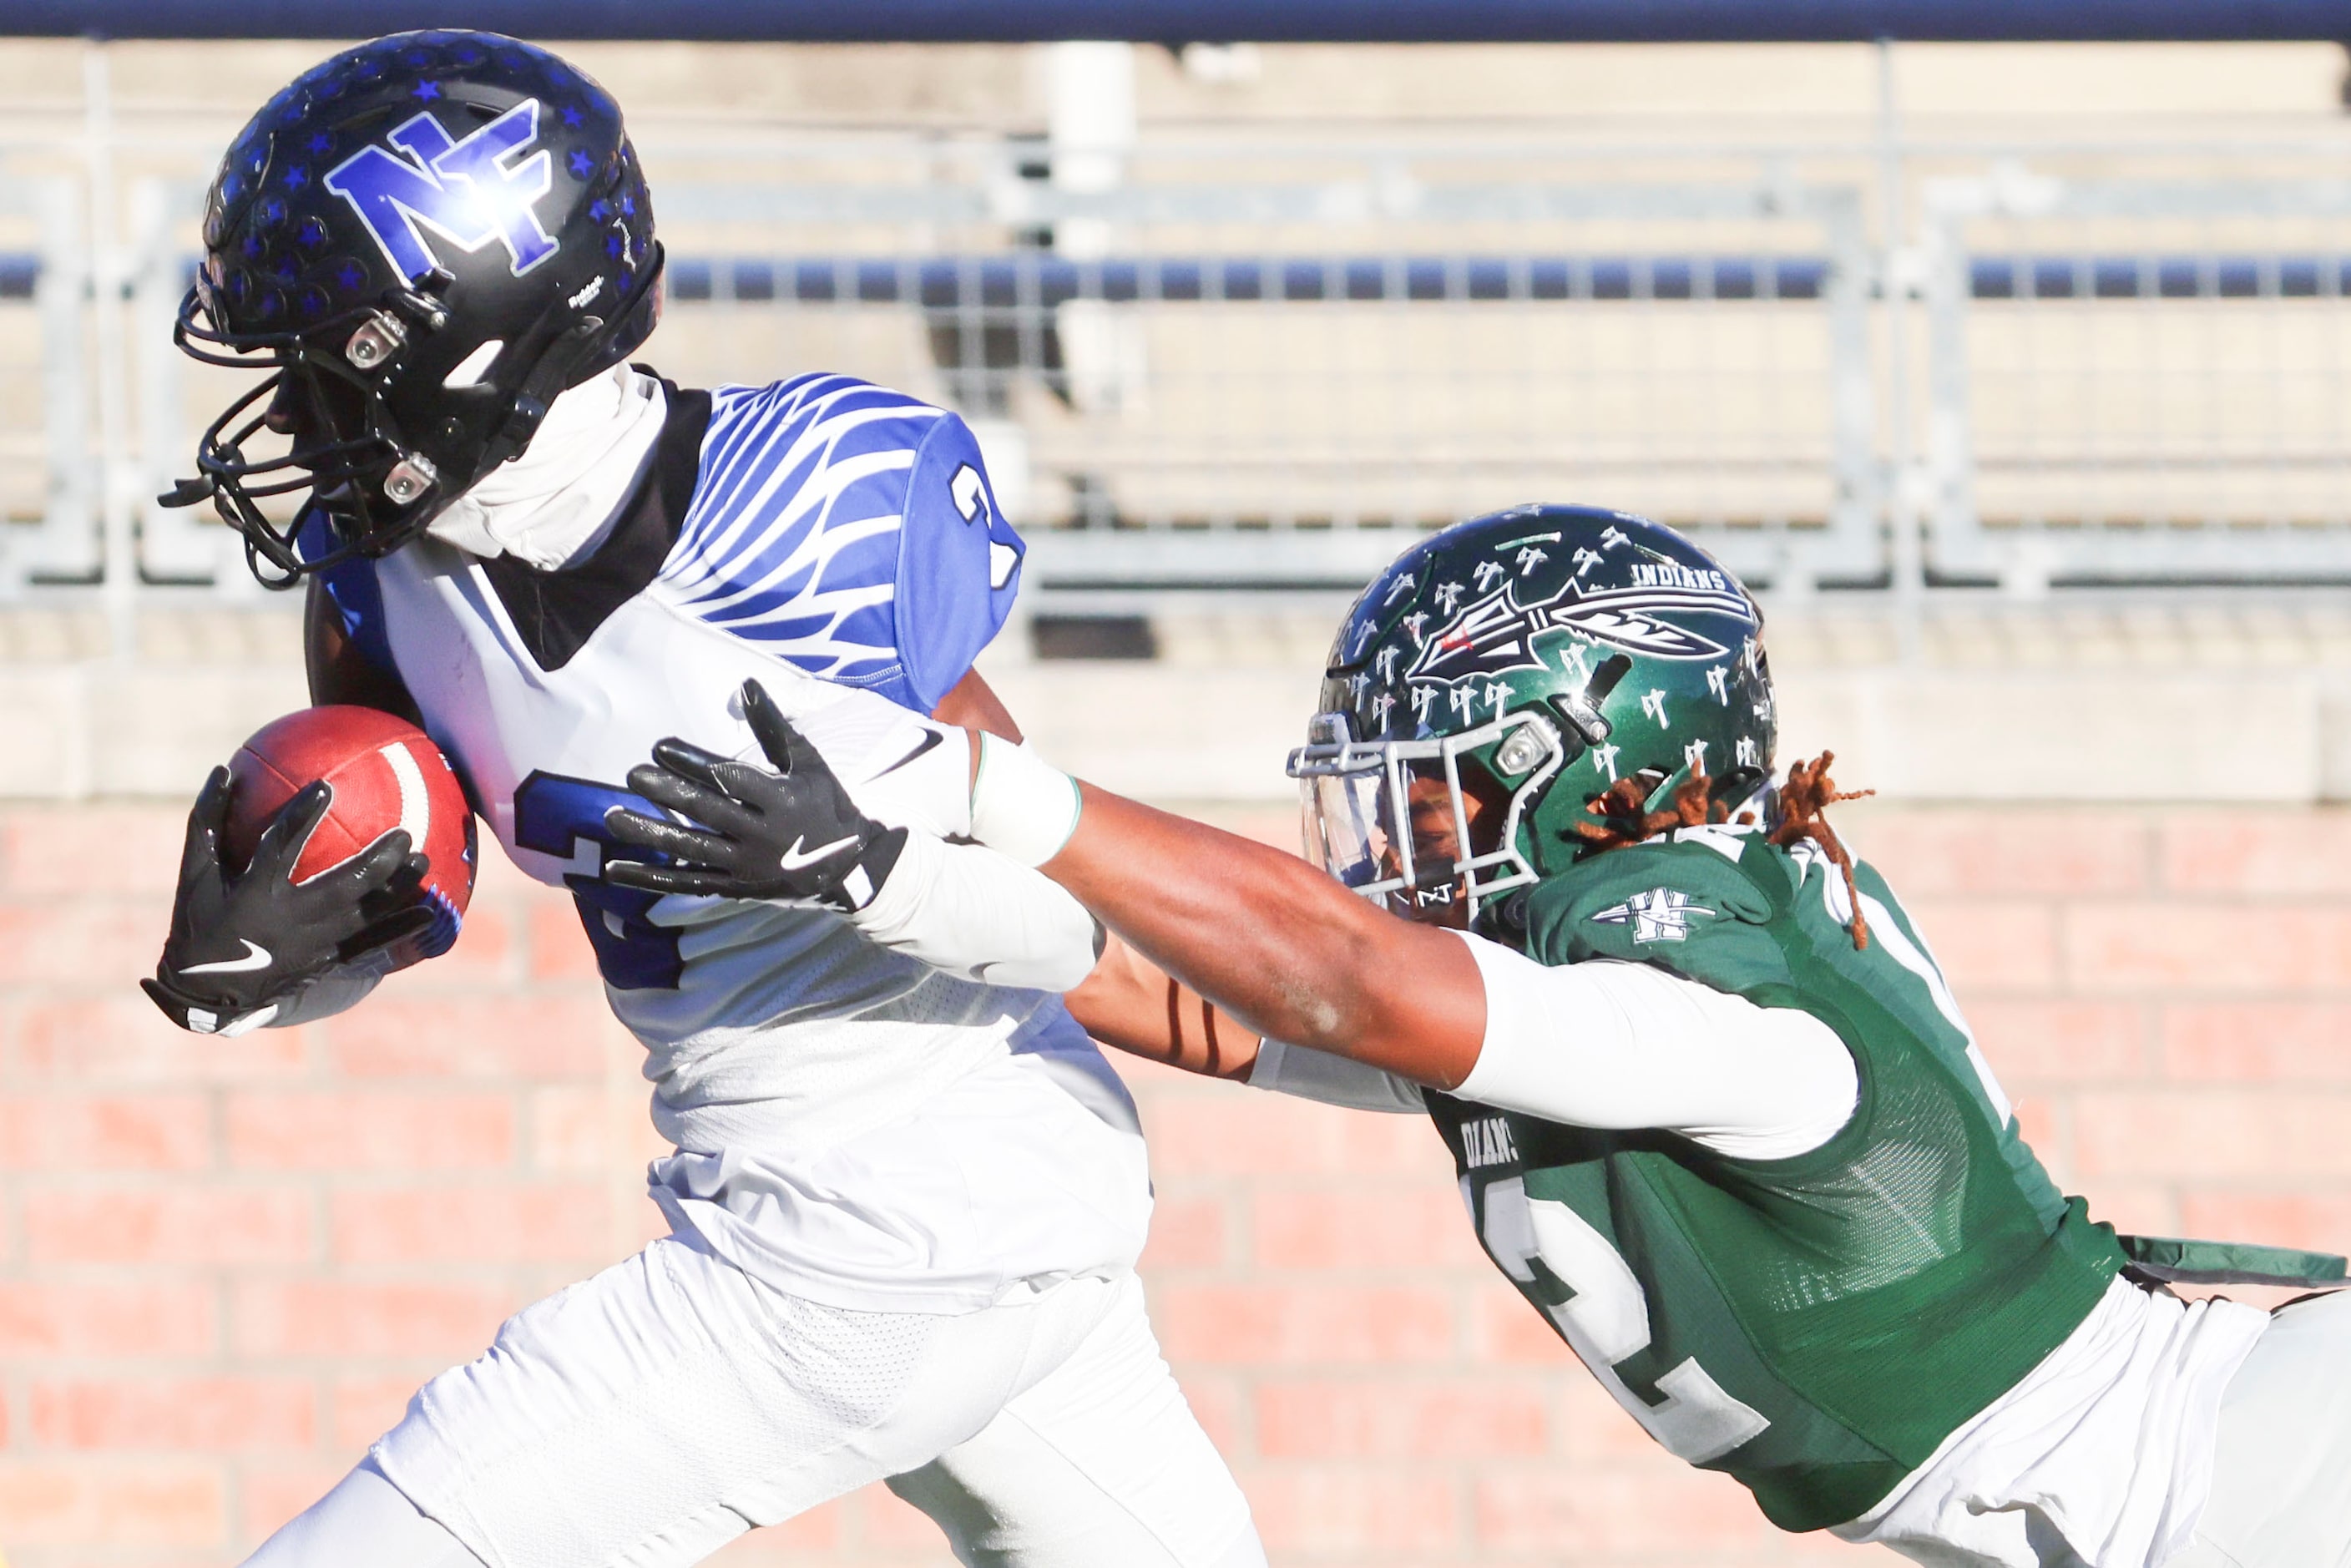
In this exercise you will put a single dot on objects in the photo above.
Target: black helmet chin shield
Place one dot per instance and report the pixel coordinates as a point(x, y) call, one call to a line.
point(423, 240)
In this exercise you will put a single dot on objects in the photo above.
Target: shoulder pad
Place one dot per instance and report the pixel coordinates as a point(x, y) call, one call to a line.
point(1643, 901)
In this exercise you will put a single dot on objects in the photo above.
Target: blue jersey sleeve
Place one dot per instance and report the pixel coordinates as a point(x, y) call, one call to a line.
point(351, 587)
point(850, 531)
point(958, 564)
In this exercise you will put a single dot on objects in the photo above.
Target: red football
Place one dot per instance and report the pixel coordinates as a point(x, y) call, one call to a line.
point(386, 773)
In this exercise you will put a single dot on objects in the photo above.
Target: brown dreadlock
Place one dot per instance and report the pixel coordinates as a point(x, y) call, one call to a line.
point(1623, 822)
point(1808, 791)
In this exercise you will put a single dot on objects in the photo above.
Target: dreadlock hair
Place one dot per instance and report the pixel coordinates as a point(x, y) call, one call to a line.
point(1623, 822)
point(1808, 791)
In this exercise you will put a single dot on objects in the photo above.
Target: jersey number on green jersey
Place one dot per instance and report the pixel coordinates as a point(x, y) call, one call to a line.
point(1587, 1289)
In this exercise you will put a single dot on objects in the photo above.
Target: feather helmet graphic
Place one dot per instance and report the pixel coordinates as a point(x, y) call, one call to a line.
point(1496, 633)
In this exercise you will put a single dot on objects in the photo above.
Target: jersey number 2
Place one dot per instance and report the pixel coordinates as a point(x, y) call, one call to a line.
point(1604, 1318)
point(565, 818)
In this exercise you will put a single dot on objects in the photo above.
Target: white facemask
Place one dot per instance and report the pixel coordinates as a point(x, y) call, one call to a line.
point(555, 502)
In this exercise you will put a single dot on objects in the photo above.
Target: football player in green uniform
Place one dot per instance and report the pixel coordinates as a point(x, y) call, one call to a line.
point(1714, 1108)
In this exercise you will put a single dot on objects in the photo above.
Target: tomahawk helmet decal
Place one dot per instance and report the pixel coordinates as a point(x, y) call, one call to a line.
point(1490, 637)
point(1498, 634)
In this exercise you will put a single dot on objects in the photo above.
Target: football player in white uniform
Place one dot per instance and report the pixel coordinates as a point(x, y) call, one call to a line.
point(904, 1203)
point(1714, 1111)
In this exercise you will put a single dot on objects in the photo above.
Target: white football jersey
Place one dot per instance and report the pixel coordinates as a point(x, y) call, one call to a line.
point(851, 1125)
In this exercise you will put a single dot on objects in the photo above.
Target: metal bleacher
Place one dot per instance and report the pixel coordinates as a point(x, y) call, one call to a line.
point(1265, 362)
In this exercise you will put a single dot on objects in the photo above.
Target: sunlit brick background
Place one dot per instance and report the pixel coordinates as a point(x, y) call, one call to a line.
point(224, 1264)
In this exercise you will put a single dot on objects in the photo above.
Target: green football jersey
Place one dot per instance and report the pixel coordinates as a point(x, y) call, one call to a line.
point(1814, 1326)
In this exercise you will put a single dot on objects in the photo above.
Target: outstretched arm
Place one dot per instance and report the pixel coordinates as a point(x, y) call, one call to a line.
point(1285, 950)
point(1133, 1004)
point(1301, 959)
point(1286, 954)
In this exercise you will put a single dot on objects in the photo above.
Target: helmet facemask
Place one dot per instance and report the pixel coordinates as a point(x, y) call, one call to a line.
point(1392, 818)
point(342, 384)
point(344, 448)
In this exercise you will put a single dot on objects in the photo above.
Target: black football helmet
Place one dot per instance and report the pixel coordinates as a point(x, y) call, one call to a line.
point(425, 239)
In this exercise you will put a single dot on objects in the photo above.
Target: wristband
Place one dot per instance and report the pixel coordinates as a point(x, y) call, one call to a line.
point(1022, 806)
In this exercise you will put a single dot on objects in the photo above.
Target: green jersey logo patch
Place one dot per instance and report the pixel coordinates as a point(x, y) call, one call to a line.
point(1660, 914)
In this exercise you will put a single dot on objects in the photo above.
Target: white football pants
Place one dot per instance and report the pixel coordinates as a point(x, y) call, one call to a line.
point(645, 1417)
point(2281, 1465)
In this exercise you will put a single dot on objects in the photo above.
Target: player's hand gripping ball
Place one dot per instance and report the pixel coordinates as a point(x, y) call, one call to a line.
point(386, 773)
point(337, 838)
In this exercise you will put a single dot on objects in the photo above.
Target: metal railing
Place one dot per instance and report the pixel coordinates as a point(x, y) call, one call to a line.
point(1275, 366)
point(1272, 365)
point(2130, 406)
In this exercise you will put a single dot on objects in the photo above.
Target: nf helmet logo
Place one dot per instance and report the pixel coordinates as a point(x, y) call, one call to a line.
point(465, 191)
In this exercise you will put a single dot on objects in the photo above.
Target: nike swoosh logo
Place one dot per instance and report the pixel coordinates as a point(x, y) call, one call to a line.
point(795, 858)
point(931, 737)
point(256, 957)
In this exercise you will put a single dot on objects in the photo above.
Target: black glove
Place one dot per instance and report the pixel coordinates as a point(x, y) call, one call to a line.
point(792, 835)
point(244, 947)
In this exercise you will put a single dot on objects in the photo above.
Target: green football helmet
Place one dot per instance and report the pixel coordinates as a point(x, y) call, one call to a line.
point(1503, 675)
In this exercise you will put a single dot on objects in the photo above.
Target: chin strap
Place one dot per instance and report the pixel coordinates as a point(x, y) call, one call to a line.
point(546, 381)
point(576, 353)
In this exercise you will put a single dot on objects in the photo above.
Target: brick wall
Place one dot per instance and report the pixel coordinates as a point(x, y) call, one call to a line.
point(224, 1264)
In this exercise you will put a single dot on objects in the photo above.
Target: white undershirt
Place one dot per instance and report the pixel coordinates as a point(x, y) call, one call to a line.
point(555, 502)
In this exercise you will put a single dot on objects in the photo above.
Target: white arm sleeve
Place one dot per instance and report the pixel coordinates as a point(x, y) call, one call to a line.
point(1311, 1074)
point(957, 906)
point(1617, 1045)
point(972, 913)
